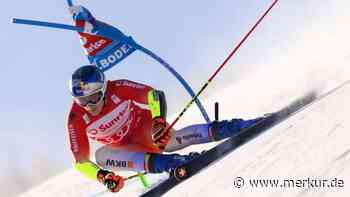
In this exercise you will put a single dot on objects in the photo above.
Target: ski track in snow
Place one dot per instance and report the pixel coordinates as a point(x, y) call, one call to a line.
point(312, 144)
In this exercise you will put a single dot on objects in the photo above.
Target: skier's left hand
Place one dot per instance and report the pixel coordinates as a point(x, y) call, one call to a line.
point(160, 134)
point(113, 182)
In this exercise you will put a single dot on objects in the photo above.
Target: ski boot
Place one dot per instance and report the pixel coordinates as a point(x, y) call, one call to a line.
point(184, 171)
point(159, 163)
point(223, 129)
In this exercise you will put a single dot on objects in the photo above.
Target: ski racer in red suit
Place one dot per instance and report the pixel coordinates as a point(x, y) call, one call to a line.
point(129, 119)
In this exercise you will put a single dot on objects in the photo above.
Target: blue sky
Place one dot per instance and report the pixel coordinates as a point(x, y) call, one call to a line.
point(38, 62)
point(193, 36)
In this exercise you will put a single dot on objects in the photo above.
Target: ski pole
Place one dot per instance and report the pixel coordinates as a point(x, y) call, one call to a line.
point(134, 176)
point(221, 66)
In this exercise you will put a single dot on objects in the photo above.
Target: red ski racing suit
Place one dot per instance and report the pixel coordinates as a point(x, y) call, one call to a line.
point(124, 124)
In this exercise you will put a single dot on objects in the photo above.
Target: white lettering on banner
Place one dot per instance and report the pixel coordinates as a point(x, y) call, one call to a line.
point(115, 56)
point(95, 46)
point(111, 123)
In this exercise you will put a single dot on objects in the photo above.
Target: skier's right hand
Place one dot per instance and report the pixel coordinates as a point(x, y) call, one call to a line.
point(160, 134)
point(112, 181)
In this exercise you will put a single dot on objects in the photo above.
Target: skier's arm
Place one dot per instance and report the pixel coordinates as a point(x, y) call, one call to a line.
point(79, 145)
point(80, 148)
point(112, 181)
point(88, 168)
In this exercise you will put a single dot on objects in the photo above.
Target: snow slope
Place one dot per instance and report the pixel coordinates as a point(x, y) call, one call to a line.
point(313, 144)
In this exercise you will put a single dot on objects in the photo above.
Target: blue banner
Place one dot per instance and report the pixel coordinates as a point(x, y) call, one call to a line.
point(106, 60)
point(104, 45)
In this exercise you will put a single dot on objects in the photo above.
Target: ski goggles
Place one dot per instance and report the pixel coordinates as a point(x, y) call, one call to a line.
point(92, 99)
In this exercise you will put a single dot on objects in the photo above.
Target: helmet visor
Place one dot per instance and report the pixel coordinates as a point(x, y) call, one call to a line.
point(92, 99)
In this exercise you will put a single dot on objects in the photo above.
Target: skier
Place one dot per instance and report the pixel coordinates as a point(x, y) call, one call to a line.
point(129, 118)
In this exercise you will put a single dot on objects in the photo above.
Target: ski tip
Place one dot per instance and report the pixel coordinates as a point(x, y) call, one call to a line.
point(297, 104)
point(308, 98)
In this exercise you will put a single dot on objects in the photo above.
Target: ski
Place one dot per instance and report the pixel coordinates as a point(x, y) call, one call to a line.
point(204, 160)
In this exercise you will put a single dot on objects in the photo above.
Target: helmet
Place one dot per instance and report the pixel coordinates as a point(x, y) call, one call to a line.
point(88, 85)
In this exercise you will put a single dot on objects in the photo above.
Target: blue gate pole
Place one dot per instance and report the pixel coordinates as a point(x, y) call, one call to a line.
point(70, 3)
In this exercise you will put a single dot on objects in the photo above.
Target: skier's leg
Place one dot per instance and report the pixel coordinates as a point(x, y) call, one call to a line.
point(203, 133)
point(194, 134)
point(121, 160)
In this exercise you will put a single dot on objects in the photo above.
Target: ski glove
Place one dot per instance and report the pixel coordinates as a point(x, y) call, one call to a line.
point(113, 182)
point(160, 135)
